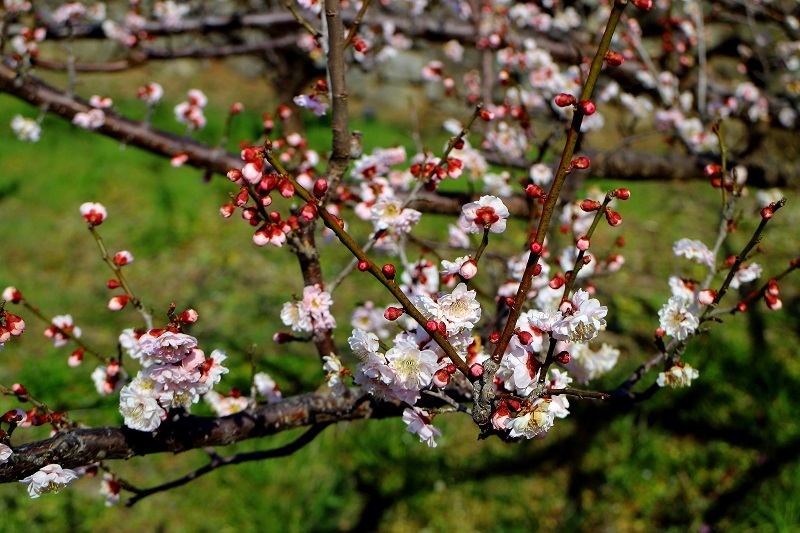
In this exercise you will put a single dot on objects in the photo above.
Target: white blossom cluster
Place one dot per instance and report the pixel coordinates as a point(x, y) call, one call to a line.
point(175, 374)
point(310, 314)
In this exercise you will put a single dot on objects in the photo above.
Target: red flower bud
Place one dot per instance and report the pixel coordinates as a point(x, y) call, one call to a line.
point(581, 163)
point(536, 248)
point(534, 191)
point(393, 313)
point(112, 284)
point(524, 337)
point(189, 316)
point(320, 188)
point(614, 59)
point(389, 271)
point(441, 378)
point(622, 194)
point(711, 170)
point(363, 266)
point(308, 212)
point(494, 338)
point(282, 337)
point(590, 205)
point(486, 115)
point(644, 5)
point(564, 100)
point(587, 107)
point(613, 218)
point(563, 357)
point(767, 212)
point(557, 282)
point(509, 301)
point(431, 326)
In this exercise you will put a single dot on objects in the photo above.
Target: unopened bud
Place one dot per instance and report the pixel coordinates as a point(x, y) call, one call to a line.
point(613, 218)
point(536, 248)
point(706, 296)
point(563, 357)
point(282, 337)
point(772, 287)
point(308, 212)
point(711, 170)
point(393, 313)
point(534, 191)
point(494, 338)
point(525, 337)
point(320, 188)
point(644, 5)
point(468, 269)
point(431, 326)
point(767, 212)
point(581, 163)
point(389, 271)
point(557, 282)
point(112, 284)
point(189, 316)
point(486, 115)
point(614, 59)
point(286, 188)
point(564, 100)
point(476, 370)
point(441, 378)
point(118, 302)
point(590, 205)
point(587, 107)
point(622, 194)
point(537, 269)
point(363, 266)
point(773, 302)
point(509, 301)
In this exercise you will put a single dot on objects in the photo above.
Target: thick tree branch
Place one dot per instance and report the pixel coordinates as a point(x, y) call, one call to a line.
point(80, 447)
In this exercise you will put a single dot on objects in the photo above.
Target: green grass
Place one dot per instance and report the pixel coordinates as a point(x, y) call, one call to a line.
point(723, 451)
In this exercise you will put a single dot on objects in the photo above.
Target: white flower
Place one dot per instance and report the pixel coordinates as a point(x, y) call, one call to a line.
point(168, 347)
point(62, 323)
point(680, 375)
point(334, 370)
point(226, 405)
point(5, 453)
point(388, 214)
point(587, 364)
point(584, 323)
point(49, 478)
point(531, 421)
point(363, 344)
point(519, 371)
point(90, 120)
point(559, 403)
point(294, 314)
point(458, 310)
point(26, 129)
point(110, 488)
point(267, 387)
point(676, 320)
point(414, 368)
point(488, 211)
point(541, 174)
point(746, 274)
point(419, 423)
point(369, 318)
point(682, 289)
point(312, 103)
point(138, 404)
point(694, 251)
point(456, 237)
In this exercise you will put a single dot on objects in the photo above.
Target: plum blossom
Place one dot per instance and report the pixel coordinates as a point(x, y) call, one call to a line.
point(93, 213)
point(110, 489)
point(464, 266)
point(694, 251)
point(388, 214)
point(5, 453)
point(488, 211)
point(369, 318)
point(312, 103)
point(676, 319)
point(226, 405)
point(587, 364)
point(166, 346)
point(531, 421)
point(139, 404)
point(334, 373)
point(50, 478)
point(458, 310)
point(311, 313)
point(89, 120)
point(150, 93)
point(419, 423)
point(109, 379)
point(413, 367)
point(559, 403)
point(267, 387)
point(746, 274)
point(62, 326)
point(541, 174)
point(26, 129)
point(680, 375)
point(585, 322)
point(519, 370)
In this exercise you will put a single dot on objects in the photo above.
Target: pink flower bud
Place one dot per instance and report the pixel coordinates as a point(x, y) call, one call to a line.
point(622, 194)
point(557, 282)
point(706, 296)
point(476, 370)
point(75, 358)
point(235, 175)
point(581, 163)
point(393, 313)
point(18, 389)
point(563, 357)
point(613, 218)
point(525, 337)
point(227, 210)
point(123, 258)
point(590, 205)
point(363, 266)
point(468, 269)
point(93, 213)
point(583, 243)
point(282, 337)
point(534, 191)
point(587, 107)
point(441, 378)
point(308, 212)
point(286, 188)
point(11, 294)
point(189, 316)
point(659, 333)
point(711, 170)
point(431, 326)
point(564, 100)
point(614, 59)
point(537, 269)
point(237, 108)
point(320, 188)
point(772, 287)
point(741, 307)
point(773, 302)
point(118, 302)
point(486, 115)
point(644, 5)
point(242, 197)
point(536, 248)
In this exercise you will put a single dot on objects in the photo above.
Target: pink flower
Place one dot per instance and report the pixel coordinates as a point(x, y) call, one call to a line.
point(62, 324)
point(93, 213)
point(49, 478)
point(123, 258)
point(488, 211)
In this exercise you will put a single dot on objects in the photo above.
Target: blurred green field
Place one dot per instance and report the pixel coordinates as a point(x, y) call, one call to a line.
point(724, 452)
